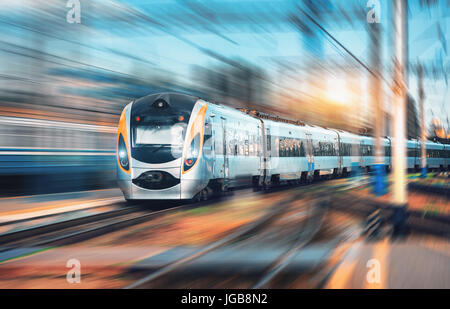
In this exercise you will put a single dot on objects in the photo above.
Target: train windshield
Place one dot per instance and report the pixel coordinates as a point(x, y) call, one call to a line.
point(158, 127)
point(157, 140)
point(159, 134)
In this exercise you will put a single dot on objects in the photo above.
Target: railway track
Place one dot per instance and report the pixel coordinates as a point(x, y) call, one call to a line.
point(307, 232)
point(66, 232)
point(206, 261)
point(297, 238)
point(417, 220)
point(74, 226)
point(57, 222)
point(197, 266)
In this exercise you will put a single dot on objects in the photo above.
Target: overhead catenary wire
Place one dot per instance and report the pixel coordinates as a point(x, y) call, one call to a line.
point(377, 75)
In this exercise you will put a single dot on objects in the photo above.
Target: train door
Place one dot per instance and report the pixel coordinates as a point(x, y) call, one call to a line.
point(362, 153)
point(418, 155)
point(208, 146)
point(262, 154)
point(338, 151)
point(225, 151)
point(309, 155)
point(267, 154)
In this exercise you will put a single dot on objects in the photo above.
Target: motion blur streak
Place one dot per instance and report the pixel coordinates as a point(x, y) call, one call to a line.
point(63, 84)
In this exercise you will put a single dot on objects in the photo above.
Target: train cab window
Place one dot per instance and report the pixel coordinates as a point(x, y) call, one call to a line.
point(207, 139)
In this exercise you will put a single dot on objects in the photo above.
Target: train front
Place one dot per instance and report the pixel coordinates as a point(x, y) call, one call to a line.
point(159, 146)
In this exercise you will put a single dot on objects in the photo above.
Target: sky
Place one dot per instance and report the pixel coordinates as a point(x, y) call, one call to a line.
point(155, 37)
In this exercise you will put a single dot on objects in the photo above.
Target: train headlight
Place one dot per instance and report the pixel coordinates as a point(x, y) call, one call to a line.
point(160, 103)
point(122, 154)
point(192, 153)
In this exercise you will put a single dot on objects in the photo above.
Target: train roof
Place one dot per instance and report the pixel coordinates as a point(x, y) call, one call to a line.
point(168, 97)
point(185, 100)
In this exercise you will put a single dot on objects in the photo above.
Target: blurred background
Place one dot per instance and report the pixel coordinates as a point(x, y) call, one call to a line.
point(67, 69)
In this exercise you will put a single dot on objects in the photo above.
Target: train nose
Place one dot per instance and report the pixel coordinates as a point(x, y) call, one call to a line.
point(156, 180)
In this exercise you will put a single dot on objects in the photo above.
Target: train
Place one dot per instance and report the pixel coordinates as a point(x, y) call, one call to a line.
point(174, 146)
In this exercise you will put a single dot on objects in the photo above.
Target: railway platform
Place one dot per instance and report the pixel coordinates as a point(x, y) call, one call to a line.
point(417, 263)
point(25, 207)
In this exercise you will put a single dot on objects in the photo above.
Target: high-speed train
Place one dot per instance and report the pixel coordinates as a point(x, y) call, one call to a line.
point(174, 146)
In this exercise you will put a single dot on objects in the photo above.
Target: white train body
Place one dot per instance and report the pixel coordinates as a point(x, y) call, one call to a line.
point(174, 146)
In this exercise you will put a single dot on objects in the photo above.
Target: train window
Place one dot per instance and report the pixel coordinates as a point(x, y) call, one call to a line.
point(286, 147)
point(246, 146)
point(260, 145)
point(241, 144)
point(315, 148)
point(291, 148)
point(277, 147)
point(208, 129)
point(231, 144)
point(253, 147)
